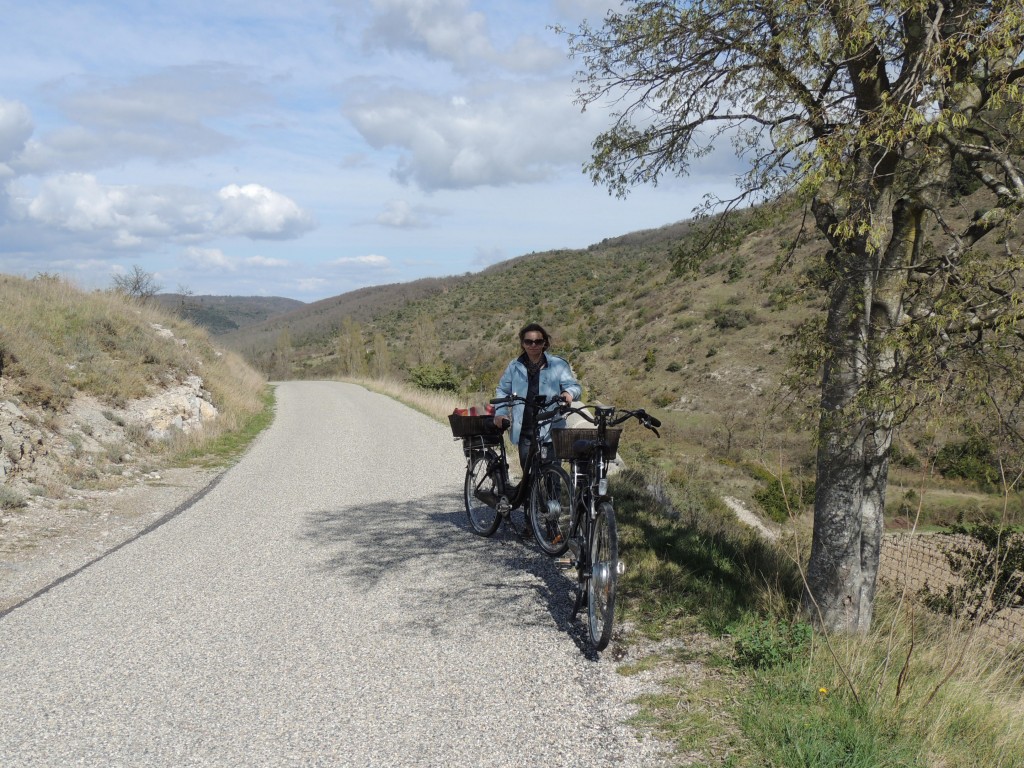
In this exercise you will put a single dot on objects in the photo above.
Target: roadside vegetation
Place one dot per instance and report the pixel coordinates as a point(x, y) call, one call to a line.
point(59, 344)
point(711, 609)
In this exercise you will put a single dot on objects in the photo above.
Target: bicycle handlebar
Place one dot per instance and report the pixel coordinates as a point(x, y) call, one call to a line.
point(539, 401)
point(650, 422)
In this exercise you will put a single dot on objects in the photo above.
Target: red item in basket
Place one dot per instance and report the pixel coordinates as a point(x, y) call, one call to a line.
point(460, 412)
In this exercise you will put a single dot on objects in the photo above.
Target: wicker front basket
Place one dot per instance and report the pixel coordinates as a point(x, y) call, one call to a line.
point(563, 440)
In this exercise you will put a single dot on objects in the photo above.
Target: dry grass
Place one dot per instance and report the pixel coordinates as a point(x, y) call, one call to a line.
point(433, 403)
point(57, 341)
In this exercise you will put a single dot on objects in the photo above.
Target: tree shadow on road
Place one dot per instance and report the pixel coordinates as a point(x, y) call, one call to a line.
point(399, 549)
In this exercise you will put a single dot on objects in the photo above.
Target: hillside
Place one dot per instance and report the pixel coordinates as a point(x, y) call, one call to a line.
point(710, 349)
point(97, 391)
point(223, 314)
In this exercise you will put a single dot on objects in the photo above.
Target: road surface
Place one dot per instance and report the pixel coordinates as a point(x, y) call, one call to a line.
point(323, 604)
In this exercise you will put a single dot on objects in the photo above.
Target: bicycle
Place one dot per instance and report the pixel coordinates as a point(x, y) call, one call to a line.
point(488, 492)
point(592, 535)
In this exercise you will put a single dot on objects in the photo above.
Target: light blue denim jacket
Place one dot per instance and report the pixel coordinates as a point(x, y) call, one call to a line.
point(555, 378)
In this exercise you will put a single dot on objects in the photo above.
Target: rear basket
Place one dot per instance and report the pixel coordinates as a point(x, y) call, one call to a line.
point(563, 440)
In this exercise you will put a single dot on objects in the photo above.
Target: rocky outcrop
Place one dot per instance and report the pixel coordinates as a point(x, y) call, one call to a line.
point(21, 443)
point(183, 408)
point(44, 449)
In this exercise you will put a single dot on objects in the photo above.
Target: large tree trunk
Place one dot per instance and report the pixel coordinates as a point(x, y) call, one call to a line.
point(852, 471)
point(856, 426)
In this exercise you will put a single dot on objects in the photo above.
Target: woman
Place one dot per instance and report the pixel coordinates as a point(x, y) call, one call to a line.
point(534, 372)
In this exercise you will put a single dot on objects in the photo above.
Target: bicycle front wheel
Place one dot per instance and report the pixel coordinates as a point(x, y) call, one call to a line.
point(551, 509)
point(481, 493)
point(604, 574)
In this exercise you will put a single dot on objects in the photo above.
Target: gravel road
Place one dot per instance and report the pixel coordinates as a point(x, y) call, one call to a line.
point(324, 603)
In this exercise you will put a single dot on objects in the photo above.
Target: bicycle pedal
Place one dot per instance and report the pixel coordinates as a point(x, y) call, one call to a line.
point(564, 563)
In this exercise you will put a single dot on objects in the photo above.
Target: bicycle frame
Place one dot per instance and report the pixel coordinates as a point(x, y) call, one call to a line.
point(592, 531)
point(495, 488)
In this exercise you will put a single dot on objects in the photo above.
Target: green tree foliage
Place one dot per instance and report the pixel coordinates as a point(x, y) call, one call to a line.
point(870, 114)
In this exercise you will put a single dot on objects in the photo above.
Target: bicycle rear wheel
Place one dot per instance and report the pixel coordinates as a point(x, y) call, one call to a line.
point(604, 575)
point(551, 509)
point(481, 492)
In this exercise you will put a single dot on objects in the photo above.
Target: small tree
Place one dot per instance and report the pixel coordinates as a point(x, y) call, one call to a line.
point(138, 284)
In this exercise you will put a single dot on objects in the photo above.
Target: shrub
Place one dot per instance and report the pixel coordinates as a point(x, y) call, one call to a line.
point(730, 318)
point(770, 643)
point(971, 459)
point(779, 494)
point(435, 377)
point(10, 499)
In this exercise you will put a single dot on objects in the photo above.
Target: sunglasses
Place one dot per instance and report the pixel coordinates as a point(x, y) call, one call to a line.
point(533, 342)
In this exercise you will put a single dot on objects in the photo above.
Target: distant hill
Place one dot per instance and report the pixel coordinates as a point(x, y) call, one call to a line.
point(223, 314)
point(311, 326)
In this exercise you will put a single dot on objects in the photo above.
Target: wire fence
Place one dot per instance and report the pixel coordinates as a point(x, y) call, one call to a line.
point(910, 561)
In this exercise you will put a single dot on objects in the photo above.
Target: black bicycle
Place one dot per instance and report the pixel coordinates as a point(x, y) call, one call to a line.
point(592, 537)
point(544, 493)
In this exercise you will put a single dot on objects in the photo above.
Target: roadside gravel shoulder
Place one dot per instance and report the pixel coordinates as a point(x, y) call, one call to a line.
point(48, 539)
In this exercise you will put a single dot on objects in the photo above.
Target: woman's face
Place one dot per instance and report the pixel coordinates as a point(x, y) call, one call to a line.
point(533, 344)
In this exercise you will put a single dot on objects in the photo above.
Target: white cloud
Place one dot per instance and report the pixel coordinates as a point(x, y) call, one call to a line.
point(128, 215)
point(215, 260)
point(265, 261)
point(592, 10)
point(401, 214)
point(448, 31)
point(209, 259)
point(484, 257)
point(260, 213)
point(310, 284)
point(371, 260)
point(496, 135)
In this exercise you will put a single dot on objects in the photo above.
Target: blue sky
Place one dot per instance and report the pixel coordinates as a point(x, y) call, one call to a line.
point(304, 148)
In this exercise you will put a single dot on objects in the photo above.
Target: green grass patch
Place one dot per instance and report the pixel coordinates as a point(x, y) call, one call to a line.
point(750, 687)
point(227, 447)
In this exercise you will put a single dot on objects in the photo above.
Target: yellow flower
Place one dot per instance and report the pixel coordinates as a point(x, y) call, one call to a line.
point(823, 691)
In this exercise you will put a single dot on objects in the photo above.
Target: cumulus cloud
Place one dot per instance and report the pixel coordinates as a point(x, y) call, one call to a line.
point(448, 31)
point(129, 215)
point(260, 213)
point(401, 214)
point(209, 259)
point(484, 136)
point(215, 260)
